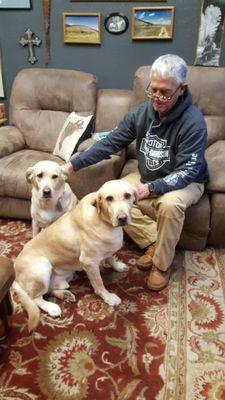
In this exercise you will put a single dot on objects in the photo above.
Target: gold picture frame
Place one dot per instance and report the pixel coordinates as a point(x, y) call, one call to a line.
point(82, 28)
point(149, 23)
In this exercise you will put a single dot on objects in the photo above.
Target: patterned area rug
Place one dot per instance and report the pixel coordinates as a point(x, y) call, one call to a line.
point(154, 346)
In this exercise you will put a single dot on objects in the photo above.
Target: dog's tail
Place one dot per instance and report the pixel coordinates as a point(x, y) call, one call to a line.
point(29, 305)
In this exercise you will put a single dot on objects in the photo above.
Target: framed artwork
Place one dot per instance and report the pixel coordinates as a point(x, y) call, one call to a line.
point(82, 28)
point(116, 23)
point(152, 23)
point(1, 80)
point(23, 4)
point(211, 31)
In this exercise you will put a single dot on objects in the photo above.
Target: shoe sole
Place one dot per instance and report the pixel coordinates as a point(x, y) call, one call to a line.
point(144, 268)
point(157, 289)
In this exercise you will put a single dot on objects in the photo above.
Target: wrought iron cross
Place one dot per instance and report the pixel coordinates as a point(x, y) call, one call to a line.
point(30, 41)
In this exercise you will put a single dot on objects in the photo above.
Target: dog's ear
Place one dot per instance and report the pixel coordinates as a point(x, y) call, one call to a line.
point(96, 202)
point(136, 198)
point(64, 175)
point(30, 174)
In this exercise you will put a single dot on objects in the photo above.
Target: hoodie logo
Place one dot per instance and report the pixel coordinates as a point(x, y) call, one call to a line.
point(156, 152)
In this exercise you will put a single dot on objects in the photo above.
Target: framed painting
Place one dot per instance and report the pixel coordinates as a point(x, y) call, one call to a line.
point(23, 4)
point(211, 32)
point(152, 23)
point(82, 28)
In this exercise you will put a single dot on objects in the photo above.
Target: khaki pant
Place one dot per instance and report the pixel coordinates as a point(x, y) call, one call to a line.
point(170, 214)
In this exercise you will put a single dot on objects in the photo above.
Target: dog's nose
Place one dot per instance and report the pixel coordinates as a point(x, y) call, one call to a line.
point(122, 220)
point(46, 192)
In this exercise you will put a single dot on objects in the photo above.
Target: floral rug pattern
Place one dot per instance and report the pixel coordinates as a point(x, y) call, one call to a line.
point(153, 346)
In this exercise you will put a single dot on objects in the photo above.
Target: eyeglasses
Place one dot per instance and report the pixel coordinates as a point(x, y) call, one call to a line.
point(160, 97)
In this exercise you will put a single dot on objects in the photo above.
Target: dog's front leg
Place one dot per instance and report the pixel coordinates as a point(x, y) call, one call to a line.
point(116, 264)
point(35, 228)
point(93, 274)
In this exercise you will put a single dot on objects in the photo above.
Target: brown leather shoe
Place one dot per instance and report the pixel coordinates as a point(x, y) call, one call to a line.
point(158, 279)
point(145, 262)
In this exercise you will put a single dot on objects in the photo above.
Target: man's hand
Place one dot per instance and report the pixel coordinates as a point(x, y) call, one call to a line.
point(67, 168)
point(143, 191)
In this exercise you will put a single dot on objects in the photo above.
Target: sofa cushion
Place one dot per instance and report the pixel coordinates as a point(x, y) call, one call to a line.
point(112, 105)
point(41, 100)
point(215, 128)
point(216, 163)
point(13, 172)
point(75, 130)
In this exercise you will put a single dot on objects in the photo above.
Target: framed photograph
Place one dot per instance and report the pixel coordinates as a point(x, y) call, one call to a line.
point(23, 4)
point(152, 23)
point(82, 28)
point(116, 23)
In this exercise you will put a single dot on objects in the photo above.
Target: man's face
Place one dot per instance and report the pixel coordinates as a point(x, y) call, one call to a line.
point(164, 86)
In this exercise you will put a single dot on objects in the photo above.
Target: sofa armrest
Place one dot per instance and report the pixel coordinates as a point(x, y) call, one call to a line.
point(216, 163)
point(11, 140)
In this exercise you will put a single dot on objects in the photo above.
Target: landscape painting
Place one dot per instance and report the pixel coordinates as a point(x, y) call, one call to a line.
point(83, 28)
point(152, 22)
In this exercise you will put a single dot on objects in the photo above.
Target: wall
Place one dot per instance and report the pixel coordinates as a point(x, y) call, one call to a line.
point(115, 60)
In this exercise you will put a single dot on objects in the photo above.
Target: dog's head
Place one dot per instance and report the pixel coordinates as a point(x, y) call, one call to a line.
point(114, 202)
point(47, 178)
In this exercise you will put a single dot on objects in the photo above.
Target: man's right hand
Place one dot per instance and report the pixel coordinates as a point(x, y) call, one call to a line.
point(67, 168)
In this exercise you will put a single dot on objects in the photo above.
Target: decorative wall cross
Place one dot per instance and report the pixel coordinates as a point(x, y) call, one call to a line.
point(30, 41)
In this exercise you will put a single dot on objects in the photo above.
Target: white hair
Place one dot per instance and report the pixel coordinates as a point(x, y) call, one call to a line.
point(172, 66)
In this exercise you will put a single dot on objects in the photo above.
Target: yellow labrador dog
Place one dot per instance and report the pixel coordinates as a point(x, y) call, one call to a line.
point(79, 240)
point(51, 194)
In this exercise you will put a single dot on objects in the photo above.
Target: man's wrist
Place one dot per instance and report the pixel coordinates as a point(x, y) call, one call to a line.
point(150, 187)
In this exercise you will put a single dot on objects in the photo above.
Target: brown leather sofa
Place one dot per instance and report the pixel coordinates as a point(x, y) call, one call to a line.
point(41, 100)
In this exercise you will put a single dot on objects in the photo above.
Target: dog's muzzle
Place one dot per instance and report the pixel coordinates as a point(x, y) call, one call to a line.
point(123, 220)
point(47, 193)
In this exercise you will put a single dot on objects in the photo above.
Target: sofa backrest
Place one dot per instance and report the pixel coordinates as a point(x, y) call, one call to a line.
point(41, 100)
point(112, 105)
point(207, 86)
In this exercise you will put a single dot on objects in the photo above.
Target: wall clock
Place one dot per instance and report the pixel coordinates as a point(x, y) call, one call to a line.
point(116, 23)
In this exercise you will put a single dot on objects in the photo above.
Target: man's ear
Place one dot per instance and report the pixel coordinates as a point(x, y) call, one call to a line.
point(183, 87)
point(29, 175)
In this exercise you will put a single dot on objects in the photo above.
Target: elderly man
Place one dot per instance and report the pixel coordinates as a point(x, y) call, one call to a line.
point(170, 138)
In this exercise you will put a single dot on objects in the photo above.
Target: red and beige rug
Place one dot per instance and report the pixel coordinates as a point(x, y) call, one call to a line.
point(154, 346)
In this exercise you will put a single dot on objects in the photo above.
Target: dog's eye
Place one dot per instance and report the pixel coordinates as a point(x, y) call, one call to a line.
point(109, 198)
point(54, 176)
point(40, 175)
point(127, 196)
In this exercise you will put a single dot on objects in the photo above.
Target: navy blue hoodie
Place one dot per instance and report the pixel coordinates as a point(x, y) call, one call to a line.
point(170, 151)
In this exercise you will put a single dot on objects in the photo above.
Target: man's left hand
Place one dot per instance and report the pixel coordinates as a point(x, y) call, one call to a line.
point(143, 191)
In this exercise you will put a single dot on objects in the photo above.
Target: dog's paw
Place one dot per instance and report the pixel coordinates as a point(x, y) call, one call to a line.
point(69, 297)
point(112, 299)
point(119, 266)
point(53, 310)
